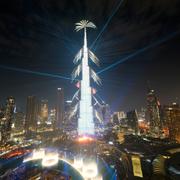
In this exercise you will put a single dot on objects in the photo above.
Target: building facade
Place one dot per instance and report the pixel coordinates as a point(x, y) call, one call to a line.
point(59, 108)
point(31, 114)
point(171, 120)
point(153, 108)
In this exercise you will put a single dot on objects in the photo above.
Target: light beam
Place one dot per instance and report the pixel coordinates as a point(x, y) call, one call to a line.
point(107, 23)
point(152, 45)
point(35, 72)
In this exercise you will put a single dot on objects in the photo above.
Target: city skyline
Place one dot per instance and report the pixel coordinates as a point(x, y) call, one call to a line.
point(100, 104)
point(46, 44)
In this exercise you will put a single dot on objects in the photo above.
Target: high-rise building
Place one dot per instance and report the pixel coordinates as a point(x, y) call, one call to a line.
point(43, 111)
point(153, 108)
point(118, 116)
point(19, 121)
point(60, 108)
point(142, 115)
point(52, 116)
point(6, 120)
point(86, 115)
point(31, 114)
point(70, 122)
point(171, 120)
point(132, 120)
point(67, 109)
point(106, 113)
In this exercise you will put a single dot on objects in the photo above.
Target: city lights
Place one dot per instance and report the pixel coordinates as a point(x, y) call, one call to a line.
point(70, 127)
point(90, 170)
point(50, 159)
point(85, 139)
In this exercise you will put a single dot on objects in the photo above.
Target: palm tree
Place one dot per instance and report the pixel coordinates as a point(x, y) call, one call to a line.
point(83, 24)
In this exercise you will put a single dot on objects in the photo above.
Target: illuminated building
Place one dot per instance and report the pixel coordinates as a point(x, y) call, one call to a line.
point(70, 122)
point(153, 108)
point(141, 115)
point(171, 119)
point(118, 117)
point(132, 120)
point(6, 120)
point(106, 113)
point(31, 114)
point(86, 117)
point(52, 116)
point(60, 108)
point(19, 120)
point(44, 111)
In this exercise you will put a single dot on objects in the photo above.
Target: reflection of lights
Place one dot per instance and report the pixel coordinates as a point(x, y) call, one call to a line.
point(140, 120)
point(36, 154)
point(85, 139)
point(110, 142)
point(90, 170)
point(166, 157)
point(50, 159)
point(13, 125)
point(48, 123)
point(78, 163)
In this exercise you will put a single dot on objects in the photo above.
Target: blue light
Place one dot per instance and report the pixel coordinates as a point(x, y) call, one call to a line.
point(139, 51)
point(35, 72)
point(106, 24)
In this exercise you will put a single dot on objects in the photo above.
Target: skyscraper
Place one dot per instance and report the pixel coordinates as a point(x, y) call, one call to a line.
point(132, 120)
point(31, 114)
point(60, 108)
point(19, 120)
point(153, 108)
point(52, 116)
point(43, 111)
point(171, 119)
point(106, 113)
point(86, 116)
point(6, 121)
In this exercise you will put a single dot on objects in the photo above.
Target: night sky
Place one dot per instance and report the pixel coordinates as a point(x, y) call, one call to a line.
point(38, 36)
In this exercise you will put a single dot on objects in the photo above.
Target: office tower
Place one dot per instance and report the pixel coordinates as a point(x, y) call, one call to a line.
point(70, 122)
point(19, 121)
point(67, 110)
point(6, 120)
point(52, 116)
point(43, 111)
point(60, 108)
point(153, 107)
point(171, 119)
point(142, 115)
point(106, 113)
point(118, 116)
point(132, 120)
point(31, 114)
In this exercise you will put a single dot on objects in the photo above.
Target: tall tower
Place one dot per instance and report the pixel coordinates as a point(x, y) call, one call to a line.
point(44, 111)
point(153, 107)
point(31, 114)
point(86, 119)
point(171, 119)
point(7, 120)
point(59, 108)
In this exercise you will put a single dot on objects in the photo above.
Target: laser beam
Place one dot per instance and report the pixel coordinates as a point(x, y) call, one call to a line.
point(139, 51)
point(106, 24)
point(35, 72)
